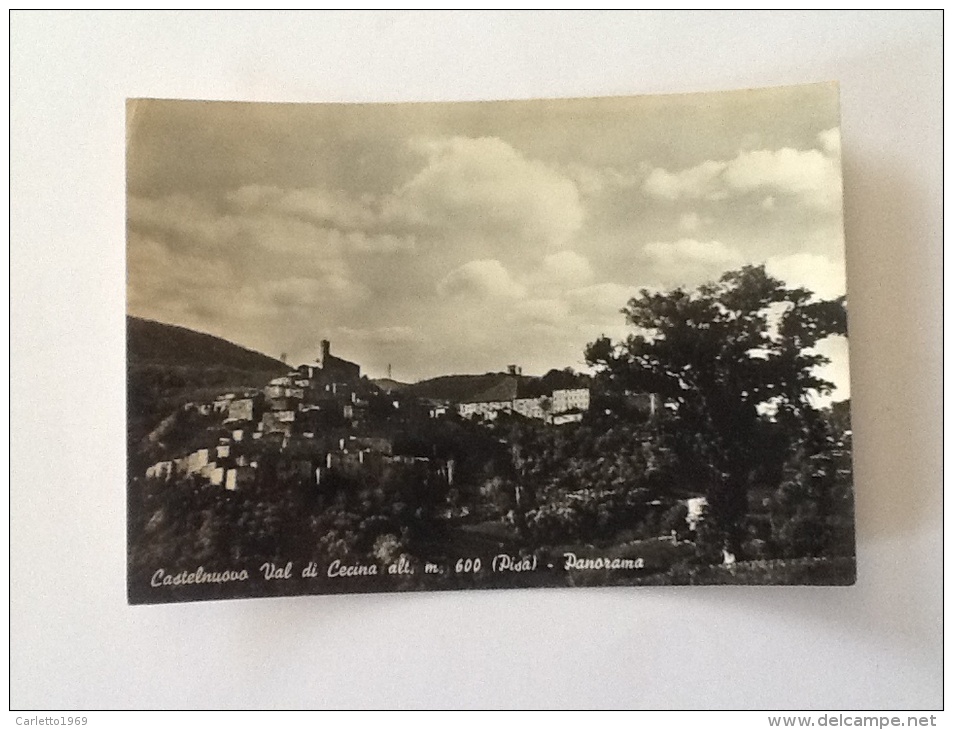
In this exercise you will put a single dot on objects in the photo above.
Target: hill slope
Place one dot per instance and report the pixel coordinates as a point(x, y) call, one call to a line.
point(388, 385)
point(166, 344)
point(495, 386)
point(167, 366)
point(455, 388)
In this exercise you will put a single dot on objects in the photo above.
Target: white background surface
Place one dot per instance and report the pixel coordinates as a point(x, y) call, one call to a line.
point(76, 644)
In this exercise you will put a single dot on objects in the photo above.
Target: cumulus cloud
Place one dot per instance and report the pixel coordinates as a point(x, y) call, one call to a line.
point(360, 224)
point(687, 262)
point(563, 269)
point(546, 319)
point(192, 225)
point(159, 274)
point(701, 181)
point(830, 141)
point(466, 187)
point(254, 276)
point(482, 279)
point(810, 176)
point(559, 292)
point(823, 276)
point(485, 185)
point(256, 263)
point(594, 181)
point(315, 205)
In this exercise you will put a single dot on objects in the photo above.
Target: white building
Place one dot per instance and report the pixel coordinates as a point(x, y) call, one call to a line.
point(696, 511)
point(570, 399)
point(485, 409)
point(160, 470)
point(543, 408)
point(196, 460)
point(529, 407)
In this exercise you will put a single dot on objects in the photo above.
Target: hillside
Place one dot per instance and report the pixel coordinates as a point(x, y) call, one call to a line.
point(455, 388)
point(389, 385)
point(166, 344)
point(168, 366)
point(495, 386)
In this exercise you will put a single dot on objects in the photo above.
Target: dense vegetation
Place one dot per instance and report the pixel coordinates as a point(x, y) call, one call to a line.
point(716, 356)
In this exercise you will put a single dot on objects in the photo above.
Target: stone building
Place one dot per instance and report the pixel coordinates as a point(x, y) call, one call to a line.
point(485, 409)
point(278, 422)
point(283, 393)
point(197, 460)
point(160, 470)
point(529, 408)
point(332, 369)
point(243, 409)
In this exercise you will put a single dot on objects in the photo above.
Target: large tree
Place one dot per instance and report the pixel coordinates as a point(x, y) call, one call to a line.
point(719, 357)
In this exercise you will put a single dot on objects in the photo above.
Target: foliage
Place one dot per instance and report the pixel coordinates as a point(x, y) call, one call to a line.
point(715, 355)
point(811, 512)
point(576, 482)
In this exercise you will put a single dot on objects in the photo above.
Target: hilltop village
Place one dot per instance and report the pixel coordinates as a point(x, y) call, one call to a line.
point(327, 421)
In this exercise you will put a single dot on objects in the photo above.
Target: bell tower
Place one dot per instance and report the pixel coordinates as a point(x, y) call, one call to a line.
point(325, 353)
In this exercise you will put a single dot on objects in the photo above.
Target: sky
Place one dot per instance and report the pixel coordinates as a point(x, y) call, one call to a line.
point(463, 237)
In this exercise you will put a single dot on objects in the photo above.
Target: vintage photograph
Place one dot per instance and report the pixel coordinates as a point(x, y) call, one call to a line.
point(513, 344)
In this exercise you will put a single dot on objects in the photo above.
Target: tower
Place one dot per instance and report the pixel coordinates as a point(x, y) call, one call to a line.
point(325, 352)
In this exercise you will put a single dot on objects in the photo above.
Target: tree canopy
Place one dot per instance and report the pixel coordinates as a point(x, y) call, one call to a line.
point(719, 357)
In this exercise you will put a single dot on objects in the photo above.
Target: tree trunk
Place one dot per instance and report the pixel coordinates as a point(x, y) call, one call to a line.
point(728, 504)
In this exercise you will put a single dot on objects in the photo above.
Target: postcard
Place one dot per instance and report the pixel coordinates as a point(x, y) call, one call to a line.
point(502, 344)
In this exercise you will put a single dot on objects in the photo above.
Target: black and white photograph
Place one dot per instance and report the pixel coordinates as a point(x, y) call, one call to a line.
point(497, 344)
